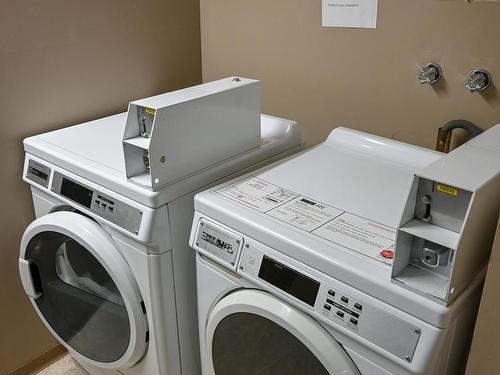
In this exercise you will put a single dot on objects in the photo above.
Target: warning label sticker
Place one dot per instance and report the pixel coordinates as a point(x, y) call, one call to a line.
point(364, 236)
point(353, 232)
point(305, 213)
point(257, 194)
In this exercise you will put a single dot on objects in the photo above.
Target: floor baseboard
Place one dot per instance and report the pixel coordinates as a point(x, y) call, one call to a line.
point(39, 363)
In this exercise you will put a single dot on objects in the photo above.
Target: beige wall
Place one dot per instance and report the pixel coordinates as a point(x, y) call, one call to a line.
point(63, 62)
point(365, 79)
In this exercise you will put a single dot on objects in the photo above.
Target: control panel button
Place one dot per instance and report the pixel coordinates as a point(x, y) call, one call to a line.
point(340, 314)
point(355, 314)
point(354, 321)
point(328, 300)
point(331, 293)
point(327, 307)
point(344, 299)
point(358, 306)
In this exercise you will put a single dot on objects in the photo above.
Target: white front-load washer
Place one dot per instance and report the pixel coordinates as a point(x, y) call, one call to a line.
point(294, 269)
point(277, 316)
point(106, 264)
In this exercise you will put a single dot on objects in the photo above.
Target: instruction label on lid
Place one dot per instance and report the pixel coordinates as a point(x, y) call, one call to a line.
point(362, 235)
point(305, 213)
point(257, 194)
point(348, 230)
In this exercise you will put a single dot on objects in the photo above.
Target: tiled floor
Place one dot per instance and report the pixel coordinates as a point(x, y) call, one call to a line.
point(66, 365)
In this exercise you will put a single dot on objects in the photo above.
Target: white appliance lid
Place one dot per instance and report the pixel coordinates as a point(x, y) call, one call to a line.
point(98, 141)
point(349, 180)
point(93, 150)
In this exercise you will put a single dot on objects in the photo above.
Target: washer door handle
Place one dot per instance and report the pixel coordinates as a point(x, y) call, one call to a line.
point(30, 278)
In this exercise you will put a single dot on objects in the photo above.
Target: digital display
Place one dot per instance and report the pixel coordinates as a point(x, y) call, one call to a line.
point(76, 192)
point(38, 173)
point(290, 281)
point(211, 239)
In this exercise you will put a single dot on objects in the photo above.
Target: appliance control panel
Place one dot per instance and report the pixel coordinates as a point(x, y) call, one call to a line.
point(218, 243)
point(38, 173)
point(329, 299)
point(100, 204)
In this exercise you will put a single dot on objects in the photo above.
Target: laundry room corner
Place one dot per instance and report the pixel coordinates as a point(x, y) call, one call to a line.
point(230, 187)
point(62, 63)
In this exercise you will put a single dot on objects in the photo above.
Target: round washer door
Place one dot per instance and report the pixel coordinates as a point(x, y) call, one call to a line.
point(253, 332)
point(84, 290)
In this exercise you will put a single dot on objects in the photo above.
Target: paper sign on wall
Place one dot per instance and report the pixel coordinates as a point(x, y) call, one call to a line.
point(350, 13)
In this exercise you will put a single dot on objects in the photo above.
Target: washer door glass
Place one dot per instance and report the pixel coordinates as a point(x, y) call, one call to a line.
point(249, 344)
point(79, 300)
point(84, 290)
point(253, 332)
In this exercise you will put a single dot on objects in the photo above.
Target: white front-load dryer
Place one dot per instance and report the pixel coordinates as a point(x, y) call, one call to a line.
point(104, 295)
point(107, 264)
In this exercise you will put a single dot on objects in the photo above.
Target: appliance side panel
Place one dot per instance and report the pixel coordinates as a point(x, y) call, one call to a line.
point(462, 338)
point(477, 237)
point(181, 217)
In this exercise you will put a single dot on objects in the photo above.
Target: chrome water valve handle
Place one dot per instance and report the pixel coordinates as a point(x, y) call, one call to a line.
point(478, 80)
point(430, 73)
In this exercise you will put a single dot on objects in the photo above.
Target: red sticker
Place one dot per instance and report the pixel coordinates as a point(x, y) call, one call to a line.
point(389, 254)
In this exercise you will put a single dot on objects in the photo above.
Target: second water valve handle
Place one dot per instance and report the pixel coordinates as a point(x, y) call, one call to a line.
point(478, 80)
